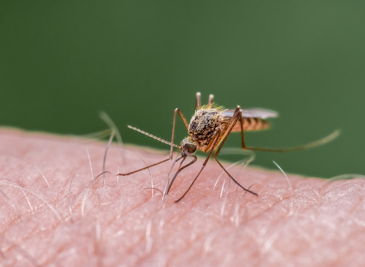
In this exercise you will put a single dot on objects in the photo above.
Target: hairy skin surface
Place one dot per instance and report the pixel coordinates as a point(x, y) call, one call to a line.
point(70, 223)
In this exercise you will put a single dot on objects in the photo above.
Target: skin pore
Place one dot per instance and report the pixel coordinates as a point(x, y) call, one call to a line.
point(53, 214)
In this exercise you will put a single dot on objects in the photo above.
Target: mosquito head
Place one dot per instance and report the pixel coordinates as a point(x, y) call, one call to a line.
point(187, 147)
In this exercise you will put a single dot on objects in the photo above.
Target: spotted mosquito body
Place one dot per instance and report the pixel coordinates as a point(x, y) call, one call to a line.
point(208, 130)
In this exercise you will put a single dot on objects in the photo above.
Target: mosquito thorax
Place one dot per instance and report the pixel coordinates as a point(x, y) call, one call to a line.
point(187, 146)
point(203, 126)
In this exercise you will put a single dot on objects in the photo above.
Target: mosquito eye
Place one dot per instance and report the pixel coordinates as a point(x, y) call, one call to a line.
point(191, 148)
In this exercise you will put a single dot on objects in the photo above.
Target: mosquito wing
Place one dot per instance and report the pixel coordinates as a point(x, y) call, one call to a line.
point(252, 113)
point(253, 119)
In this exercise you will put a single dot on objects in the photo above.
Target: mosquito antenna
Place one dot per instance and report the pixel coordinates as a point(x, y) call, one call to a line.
point(152, 136)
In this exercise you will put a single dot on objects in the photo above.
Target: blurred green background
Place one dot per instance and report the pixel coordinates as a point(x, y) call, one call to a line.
point(61, 62)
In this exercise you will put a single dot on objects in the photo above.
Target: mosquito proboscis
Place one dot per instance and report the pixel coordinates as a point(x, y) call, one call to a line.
point(208, 130)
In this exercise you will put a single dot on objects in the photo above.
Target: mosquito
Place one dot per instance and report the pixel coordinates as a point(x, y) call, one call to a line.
point(208, 130)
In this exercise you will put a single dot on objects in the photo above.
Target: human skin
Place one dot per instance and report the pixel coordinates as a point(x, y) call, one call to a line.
point(53, 215)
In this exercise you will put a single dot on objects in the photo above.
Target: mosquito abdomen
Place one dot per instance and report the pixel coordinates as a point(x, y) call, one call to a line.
point(251, 124)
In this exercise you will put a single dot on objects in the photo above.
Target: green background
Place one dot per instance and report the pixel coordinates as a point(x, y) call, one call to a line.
point(61, 62)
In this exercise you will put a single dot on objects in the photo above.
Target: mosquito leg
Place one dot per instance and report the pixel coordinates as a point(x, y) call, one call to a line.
point(204, 164)
point(149, 166)
point(319, 142)
point(234, 180)
point(235, 118)
point(183, 118)
point(171, 147)
point(210, 101)
point(242, 134)
point(240, 118)
point(302, 147)
point(197, 100)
